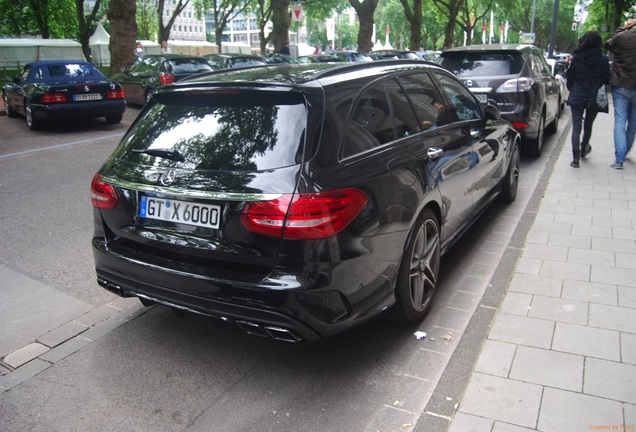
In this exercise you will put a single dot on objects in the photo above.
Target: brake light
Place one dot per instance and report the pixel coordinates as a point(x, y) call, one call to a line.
point(520, 125)
point(53, 98)
point(103, 195)
point(304, 216)
point(165, 78)
point(515, 85)
point(115, 94)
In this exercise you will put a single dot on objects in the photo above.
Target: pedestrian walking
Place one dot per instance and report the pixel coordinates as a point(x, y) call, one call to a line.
point(588, 71)
point(623, 47)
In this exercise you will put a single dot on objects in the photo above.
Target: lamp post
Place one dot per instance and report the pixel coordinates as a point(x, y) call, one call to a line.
point(555, 17)
point(534, 8)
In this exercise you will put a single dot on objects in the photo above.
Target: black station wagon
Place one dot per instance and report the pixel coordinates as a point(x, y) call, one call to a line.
point(298, 200)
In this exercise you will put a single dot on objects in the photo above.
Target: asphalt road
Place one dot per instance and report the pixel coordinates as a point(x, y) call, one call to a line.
point(161, 372)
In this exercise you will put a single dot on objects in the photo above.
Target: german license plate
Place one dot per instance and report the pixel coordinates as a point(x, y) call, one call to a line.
point(197, 214)
point(87, 97)
point(482, 98)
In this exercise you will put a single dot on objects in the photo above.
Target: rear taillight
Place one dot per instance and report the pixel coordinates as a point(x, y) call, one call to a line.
point(304, 216)
point(53, 98)
point(520, 125)
point(515, 85)
point(115, 94)
point(165, 78)
point(103, 195)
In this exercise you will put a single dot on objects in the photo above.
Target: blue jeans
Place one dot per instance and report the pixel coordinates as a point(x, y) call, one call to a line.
point(624, 100)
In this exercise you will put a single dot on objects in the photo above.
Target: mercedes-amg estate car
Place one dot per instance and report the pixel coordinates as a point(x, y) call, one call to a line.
point(298, 200)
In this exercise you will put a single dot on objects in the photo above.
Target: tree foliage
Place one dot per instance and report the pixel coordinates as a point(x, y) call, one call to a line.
point(222, 11)
point(46, 18)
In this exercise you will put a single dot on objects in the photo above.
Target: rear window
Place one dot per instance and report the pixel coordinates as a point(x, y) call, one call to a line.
point(226, 130)
point(188, 66)
point(482, 63)
point(72, 70)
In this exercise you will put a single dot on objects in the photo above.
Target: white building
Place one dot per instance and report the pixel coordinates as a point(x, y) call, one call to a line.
point(186, 26)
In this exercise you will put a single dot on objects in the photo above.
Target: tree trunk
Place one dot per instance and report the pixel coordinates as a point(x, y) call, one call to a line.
point(414, 17)
point(280, 23)
point(365, 12)
point(123, 33)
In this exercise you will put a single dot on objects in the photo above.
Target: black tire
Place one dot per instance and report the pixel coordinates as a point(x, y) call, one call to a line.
point(114, 118)
point(511, 180)
point(418, 272)
point(33, 122)
point(7, 107)
point(534, 146)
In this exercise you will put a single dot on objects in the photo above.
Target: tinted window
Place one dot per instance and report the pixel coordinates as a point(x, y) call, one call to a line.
point(185, 66)
point(404, 117)
point(426, 101)
point(242, 131)
point(463, 101)
point(483, 63)
point(371, 124)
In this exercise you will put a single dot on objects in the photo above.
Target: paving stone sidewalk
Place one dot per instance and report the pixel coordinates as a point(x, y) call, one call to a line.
point(560, 355)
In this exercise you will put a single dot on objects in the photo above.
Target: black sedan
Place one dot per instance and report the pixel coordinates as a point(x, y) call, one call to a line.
point(149, 73)
point(46, 90)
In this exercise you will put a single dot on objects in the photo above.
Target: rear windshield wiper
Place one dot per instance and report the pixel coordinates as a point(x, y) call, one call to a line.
point(168, 154)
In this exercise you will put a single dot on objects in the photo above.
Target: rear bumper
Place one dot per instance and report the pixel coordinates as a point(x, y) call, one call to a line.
point(83, 109)
point(280, 306)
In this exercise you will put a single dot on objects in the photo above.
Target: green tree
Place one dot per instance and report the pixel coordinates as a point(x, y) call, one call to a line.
point(147, 23)
point(85, 27)
point(391, 13)
point(47, 18)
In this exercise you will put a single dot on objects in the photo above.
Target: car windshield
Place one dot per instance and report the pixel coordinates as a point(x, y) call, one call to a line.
point(187, 66)
point(226, 130)
point(482, 63)
point(72, 70)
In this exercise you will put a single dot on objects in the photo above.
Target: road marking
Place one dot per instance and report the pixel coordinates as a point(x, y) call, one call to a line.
point(59, 146)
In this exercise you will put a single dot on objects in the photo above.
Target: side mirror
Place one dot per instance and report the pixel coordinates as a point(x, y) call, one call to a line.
point(493, 112)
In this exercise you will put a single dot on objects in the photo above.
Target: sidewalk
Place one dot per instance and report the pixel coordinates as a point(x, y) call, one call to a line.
point(560, 354)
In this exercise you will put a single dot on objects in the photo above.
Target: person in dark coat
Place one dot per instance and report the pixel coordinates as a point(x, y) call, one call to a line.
point(285, 49)
point(588, 71)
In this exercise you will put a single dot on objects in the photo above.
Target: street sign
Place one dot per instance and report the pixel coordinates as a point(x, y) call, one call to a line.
point(297, 13)
point(527, 38)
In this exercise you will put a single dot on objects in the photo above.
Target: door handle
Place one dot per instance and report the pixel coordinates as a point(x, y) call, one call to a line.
point(434, 152)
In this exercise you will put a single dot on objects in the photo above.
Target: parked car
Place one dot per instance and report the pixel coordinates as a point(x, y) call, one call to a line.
point(280, 59)
point(319, 58)
point(393, 54)
point(558, 68)
point(231, 61)
point(352, 56)
point(427, 55)
point(47, 90)
point(150, 72)
point(299, 200)
point(519, 79)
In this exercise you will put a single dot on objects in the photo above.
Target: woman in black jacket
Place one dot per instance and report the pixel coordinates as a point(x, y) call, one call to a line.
point(588, 70)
